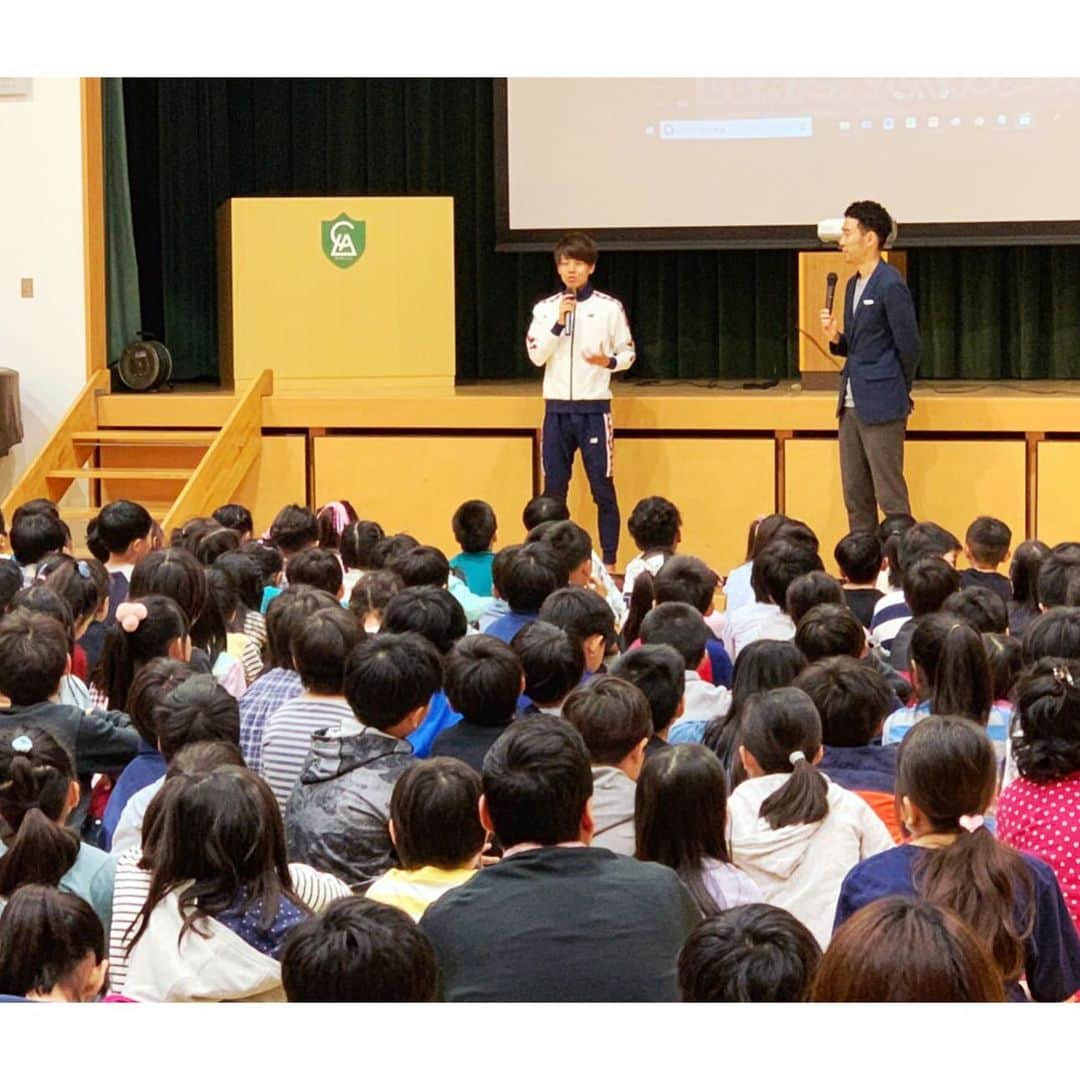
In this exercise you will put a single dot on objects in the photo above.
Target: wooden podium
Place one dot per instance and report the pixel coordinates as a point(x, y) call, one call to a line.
point(818, 368)
point(336, 293)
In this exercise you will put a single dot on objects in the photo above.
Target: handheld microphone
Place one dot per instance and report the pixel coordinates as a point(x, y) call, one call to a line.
point(830, 290)
point(572, 294)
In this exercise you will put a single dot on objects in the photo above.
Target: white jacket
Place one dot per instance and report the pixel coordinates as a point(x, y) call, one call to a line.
point(801, 867)
point(598, 325)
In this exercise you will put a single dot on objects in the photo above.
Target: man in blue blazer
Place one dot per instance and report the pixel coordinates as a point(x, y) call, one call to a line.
point(881, 343)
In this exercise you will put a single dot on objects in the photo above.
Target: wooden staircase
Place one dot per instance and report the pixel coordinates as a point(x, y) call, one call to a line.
point(176, 473)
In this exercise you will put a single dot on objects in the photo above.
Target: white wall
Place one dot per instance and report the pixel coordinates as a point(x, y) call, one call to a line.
point(41, 237)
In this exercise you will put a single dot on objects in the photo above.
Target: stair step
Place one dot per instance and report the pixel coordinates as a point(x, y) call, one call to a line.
point(178, 475)
point(144, 437)
point(85, 513)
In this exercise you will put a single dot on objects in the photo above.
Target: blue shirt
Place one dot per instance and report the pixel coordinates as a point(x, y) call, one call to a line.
point(265, 696)
point(899, 723)
point(506, 627)
point(476, 566)
point(147, 766)
point(438, 718)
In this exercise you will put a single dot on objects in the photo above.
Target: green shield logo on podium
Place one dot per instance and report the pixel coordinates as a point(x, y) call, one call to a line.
point(343, 240)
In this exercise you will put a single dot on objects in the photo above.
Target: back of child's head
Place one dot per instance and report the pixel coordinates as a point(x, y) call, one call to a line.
point(499, 565)
point(531, 575)
point(359, 950)
point(392, 547)
point(422, 565)
point(426, 610)
point(246, 577)
point(686, 579)
point(435, 817)
point(267, 557)
point(659, 672)
point(51, 943)
point(33, 536)
point(809, 590)
point(35, 506)
point(951, 668)
point(613, 717)
point(981, 607)
point(928, 583)
point(573, 545)
point(484, 679)
point(45, 601)
point(553, 661)
point(236, 517)
point(36, 777)
point(199, 709)
point(830, 630)
point(187, 536)
point(1046, 742)
point(82, 583)
point(782, 730)
point(859, 557)
point(777, 566)
point(851, 698)
point(926, 539)
point(11, 581)
point(390, 676)
point(893, 525)
point(474, 526)
point(581, 612)
point(680, 815)
point(988, 540)
point(1024, 572)
point(754, 952)
point(224, 593)
point(900, 948)
point(293, 529)
point(1058, 570)
point(318, 568)
point(654, 523)
point(34, 653)
point(680, 626)
point(544, 508)
point(358, 544)
point(1005, 655)
point(119, 525)
point(763, 533)
point(1054, 633)
point(151, 683)
point(947, 769)
point(150, 627)
point(321, 645)
point(371, 594)
point(287, 611)
point(214, 543)
point(176, 573)
point(793, 531)
point(333, 519)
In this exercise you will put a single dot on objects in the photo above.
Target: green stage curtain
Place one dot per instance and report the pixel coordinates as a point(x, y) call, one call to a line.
point(985, 313)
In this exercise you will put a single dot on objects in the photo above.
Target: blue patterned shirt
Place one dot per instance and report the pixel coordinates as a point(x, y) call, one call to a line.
point(265, 695)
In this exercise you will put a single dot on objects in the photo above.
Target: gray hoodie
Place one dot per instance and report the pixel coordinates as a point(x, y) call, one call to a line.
point(337, 816)
point(613, 809)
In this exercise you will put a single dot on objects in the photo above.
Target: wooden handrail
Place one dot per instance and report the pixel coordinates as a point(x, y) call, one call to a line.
point(227, 461)
point(58, 452)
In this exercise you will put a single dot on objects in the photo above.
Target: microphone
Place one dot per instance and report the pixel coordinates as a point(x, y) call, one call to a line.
point(572, 293)
point(830, 290)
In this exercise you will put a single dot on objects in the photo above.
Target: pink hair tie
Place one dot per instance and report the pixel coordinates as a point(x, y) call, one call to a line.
point(130, 615)
point(971, 822)
point(339, 516)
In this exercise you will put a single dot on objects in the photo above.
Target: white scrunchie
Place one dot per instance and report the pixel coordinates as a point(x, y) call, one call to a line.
point(796, 756)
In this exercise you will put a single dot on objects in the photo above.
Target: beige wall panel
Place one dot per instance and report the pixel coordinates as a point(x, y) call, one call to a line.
point(278, 478)
point(1058, 490)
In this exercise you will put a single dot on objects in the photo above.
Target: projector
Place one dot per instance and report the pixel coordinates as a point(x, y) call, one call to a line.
point(829, 230)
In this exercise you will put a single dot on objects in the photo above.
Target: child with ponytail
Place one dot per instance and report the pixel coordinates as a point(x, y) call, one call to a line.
point(792, 830)
point(946, 778)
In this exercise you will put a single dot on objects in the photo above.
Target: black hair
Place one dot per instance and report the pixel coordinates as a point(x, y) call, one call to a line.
point(225, 596)
point(45, 601)
point(686, 579)
point(293, 529)
point(981, 607)
point(988, 539)
point(267, 557)
point(35, 506)
point(552, 659)
point(576, 245)
point(777, 566)
point(782, 729)
point(321, 644)
point(1005, 655)
point(572, 543)
point(214, 543)
point(373, 592)
point(358, 950)
point(483, 680)
point(245, 575)
point(427, 610)
point(544, 508)
point(11, 581)
point(317, 567)
point(388, 676)
point(580, 612)
point(890, 532)
point(151, 683)
point(285, 615)
point(851, 698)
point(327, 517)
point(34, 536)
point(390, 548)
point(755, 952)
point(187, 536)
point(500, 563)
point(1024, 573)
point(955, 673)
point(1057, 570)
point(809, 590)
point(421, 565)
point(36, 773)
point(176, 573)
point(435, 812)
point(612, 715)
point(536, 781)
point(34, 652)
point(859, 557)
point(923, 539)
point(531, 575)
point(127, 650)
point(654, 523)
point(358, 544)
point(1054, 633)
point(45, 935)
point(928, 583)
point(659, 672)
point(474, 525)
point(234, 516)
point(680, 626)
point(1046, 741)
point(872, 217)
point(199, 709)
point(830, 630)
point(75, 581)
point(118, 526)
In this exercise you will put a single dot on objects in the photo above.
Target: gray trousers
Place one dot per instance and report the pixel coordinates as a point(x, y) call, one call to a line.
point(872, 470)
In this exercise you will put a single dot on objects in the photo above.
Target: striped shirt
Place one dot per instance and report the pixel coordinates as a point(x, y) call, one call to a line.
point(899, 723)
point(287, 738)
point(890, 613)
point(266, 695)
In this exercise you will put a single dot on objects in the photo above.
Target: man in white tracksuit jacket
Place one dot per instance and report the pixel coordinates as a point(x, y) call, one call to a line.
point(580, 336)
